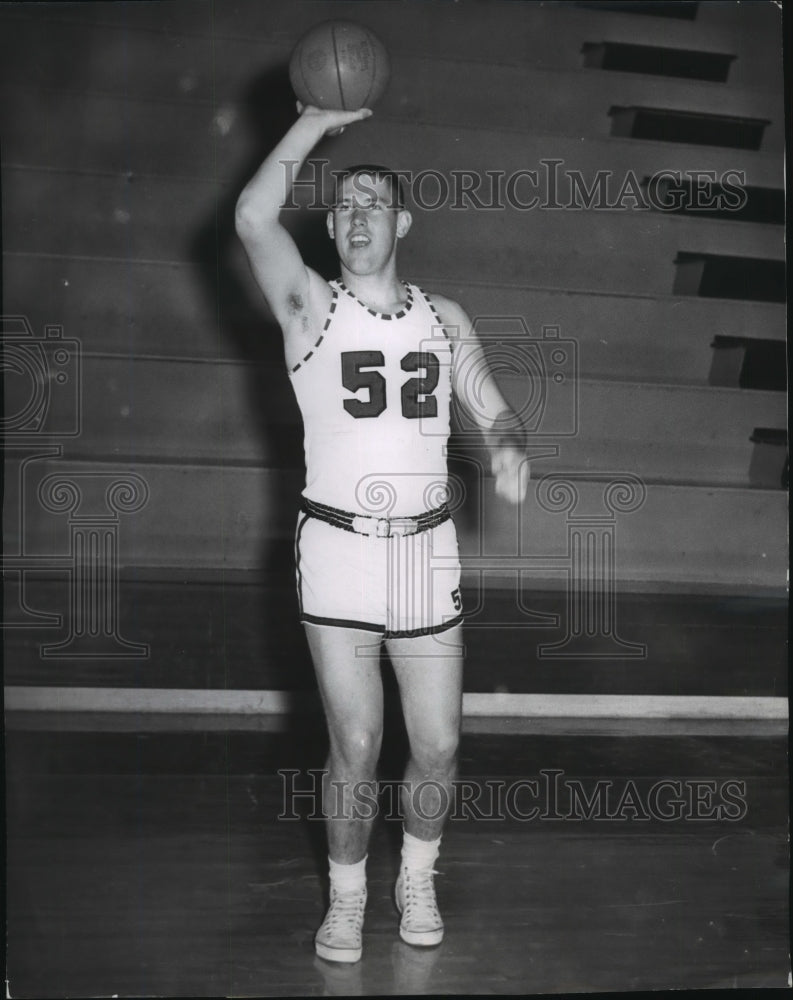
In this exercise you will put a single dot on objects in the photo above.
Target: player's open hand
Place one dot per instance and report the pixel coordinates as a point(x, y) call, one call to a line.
point(331, 121)
point(512, 473)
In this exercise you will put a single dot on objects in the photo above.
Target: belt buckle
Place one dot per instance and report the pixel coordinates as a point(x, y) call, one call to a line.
point(383, 528)
point(402, 526)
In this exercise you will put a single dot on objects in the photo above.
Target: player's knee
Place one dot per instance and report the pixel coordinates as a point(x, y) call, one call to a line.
point(437, 753)
point(357, 749)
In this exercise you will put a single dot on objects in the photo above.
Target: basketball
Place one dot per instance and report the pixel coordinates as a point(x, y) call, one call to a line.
point(339, 65)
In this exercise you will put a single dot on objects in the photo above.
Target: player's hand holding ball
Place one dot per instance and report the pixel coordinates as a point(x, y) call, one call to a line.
point(331, 122)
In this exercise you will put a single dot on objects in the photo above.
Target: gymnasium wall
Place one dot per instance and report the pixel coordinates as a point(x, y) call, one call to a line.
point(128, 131)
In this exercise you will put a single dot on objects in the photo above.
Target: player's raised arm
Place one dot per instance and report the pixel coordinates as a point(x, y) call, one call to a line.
point(475, 386)
point(274, 257)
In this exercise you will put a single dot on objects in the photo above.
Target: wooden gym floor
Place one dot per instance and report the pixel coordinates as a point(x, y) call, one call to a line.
point(146, 857)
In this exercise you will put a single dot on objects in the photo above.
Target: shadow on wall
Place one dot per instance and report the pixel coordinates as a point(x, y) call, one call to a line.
point(250, 334)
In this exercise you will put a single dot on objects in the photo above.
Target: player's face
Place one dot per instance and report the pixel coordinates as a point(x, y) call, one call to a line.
point(365, 223)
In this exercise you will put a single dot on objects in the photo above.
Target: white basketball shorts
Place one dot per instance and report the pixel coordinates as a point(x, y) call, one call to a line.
point(406, 585)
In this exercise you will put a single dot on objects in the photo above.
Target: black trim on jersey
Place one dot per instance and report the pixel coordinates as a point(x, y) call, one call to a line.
point(331, 311)
point(373, 312)
point(435, 313)
point(298, 533)
point(432, 630)
point(341, 623)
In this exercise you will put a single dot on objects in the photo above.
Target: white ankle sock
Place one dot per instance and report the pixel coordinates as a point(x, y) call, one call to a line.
point(419, 853)
point(345, 878)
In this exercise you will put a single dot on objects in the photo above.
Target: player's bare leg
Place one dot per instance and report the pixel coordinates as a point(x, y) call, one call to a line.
point(352, 694)
point(429, 671)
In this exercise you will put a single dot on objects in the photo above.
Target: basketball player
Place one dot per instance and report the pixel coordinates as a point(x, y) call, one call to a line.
point(373, 362)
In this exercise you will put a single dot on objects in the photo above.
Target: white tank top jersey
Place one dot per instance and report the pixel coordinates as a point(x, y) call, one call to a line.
point(375, 395)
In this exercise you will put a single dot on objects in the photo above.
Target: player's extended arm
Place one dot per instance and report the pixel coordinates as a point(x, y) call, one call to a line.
point(275, 260)
point(476, 388)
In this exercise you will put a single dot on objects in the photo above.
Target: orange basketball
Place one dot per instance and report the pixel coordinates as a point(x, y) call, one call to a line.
point(340, 65)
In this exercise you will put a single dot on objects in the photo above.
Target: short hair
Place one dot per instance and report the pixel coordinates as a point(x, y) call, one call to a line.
point(379, 173)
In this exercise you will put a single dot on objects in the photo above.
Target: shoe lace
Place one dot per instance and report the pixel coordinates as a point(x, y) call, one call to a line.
point(347, 908)
point(420, 891)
